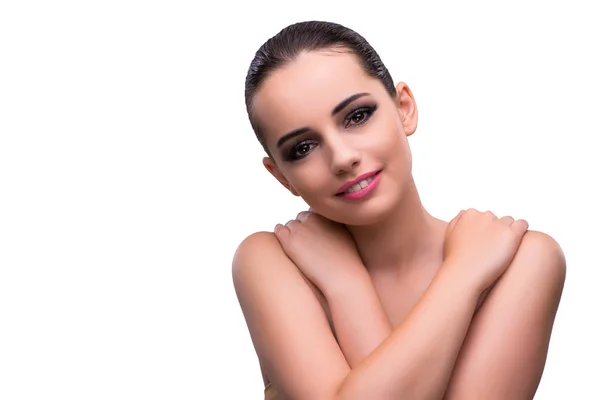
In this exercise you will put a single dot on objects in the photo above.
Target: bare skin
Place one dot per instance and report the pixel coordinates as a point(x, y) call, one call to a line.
point(362, 328)
point(398, 287)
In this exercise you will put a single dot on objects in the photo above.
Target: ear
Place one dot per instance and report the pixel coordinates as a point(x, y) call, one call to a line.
point(274, 170)
point(407, 108)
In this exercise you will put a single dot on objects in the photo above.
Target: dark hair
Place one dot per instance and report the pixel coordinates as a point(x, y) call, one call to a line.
point(285, 46)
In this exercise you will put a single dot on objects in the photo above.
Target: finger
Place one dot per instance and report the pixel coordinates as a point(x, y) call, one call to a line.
point(302, 216)
point(455, 220)
point(292, 224)
point(460, 214)
point(282, 232)
point(491, 214)
point(507, 220)
point(521, 226)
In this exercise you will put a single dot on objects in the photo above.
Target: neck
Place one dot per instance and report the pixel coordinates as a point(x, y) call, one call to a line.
point(406, 238)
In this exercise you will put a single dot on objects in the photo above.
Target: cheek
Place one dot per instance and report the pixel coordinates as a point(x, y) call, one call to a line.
point(310, 182)
point(391, 143)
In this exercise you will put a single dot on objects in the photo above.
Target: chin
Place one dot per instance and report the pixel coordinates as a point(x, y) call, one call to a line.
point(365, 212)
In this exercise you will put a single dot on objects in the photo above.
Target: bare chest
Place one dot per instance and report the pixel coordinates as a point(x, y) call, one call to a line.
point(399, 295)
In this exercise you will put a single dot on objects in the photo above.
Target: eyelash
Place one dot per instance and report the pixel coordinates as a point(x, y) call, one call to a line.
point(368, 110)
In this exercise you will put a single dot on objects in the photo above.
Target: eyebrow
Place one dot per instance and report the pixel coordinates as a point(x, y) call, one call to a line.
point(343, 104)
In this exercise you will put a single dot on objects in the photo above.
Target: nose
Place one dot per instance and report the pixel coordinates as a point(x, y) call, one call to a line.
point(344, 157)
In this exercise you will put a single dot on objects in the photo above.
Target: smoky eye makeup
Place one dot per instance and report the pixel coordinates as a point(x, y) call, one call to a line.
point(359, 115)
point(301, 147)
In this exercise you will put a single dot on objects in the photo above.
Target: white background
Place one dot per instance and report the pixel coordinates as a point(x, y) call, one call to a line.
point(129, 174)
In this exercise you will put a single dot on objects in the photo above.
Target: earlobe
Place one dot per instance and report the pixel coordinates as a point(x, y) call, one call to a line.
point(276, 172)
point(407, 108)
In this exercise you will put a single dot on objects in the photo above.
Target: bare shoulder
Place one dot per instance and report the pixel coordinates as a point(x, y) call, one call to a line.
point(510, 333)
point(255, 246)
point(543, 242)
point(260, 257)
point(539, 267)
point(288, 326)
point(260, 261)
point(256, 242)
point(542, 253)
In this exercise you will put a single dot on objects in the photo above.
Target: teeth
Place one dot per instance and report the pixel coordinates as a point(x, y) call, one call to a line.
point(360, 185)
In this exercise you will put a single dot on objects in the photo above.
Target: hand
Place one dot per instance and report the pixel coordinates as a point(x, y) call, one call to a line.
point(482, 245)
point(322, 249)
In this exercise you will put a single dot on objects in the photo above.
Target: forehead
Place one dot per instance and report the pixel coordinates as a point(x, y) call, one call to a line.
point(310, 87)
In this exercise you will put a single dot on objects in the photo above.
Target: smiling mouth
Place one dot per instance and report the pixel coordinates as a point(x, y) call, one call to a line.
point(357, 186)
point(360, 185)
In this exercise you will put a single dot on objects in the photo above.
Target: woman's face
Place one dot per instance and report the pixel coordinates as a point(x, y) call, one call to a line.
point(326, 123)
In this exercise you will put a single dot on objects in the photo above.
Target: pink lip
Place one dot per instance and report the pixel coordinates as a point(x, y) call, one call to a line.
point(364, 191)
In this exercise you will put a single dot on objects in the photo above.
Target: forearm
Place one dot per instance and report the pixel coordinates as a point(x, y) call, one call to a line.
point(417, 359)
point(358, 317)
point(510, 335)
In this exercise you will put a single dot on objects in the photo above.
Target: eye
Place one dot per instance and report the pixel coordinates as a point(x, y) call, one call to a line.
point(360, 116)
point(301, 150)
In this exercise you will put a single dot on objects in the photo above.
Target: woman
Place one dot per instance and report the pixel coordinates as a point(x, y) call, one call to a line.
point(366, 295)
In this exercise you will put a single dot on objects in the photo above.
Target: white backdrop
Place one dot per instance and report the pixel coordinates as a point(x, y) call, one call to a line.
point(129, 174)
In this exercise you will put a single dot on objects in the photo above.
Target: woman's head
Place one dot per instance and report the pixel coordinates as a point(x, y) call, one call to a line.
point(295, 39)
point(326, 111)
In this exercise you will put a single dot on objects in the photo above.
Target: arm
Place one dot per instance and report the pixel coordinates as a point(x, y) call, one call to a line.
point(291, 333)
point(504, 353)
point(358, 317)
point(506, 346)
point(416, 360)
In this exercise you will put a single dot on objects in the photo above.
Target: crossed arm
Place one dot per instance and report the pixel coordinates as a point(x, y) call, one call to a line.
point(441, 348)
point(504, 350)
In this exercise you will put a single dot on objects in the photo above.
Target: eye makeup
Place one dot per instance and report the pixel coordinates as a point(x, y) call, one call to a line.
point(304, 146)
point(339, 108)
point(300, 149)
point(365, 111)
